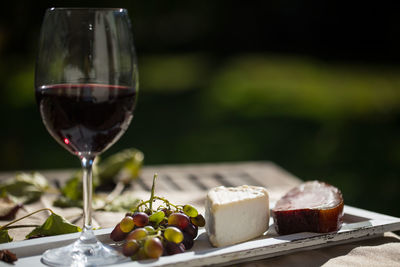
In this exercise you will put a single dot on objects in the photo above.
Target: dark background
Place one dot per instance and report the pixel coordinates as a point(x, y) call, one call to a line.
point(312, 86)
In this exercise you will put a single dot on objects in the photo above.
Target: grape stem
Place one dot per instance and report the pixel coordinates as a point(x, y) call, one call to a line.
point(6, 226)
point(22, 226)
point(156, 235)
point(151, 200)
point(152, 191)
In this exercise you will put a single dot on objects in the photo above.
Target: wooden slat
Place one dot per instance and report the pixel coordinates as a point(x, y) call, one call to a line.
point(202, 177)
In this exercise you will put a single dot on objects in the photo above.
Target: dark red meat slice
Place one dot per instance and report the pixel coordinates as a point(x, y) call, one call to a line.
point(311, 207)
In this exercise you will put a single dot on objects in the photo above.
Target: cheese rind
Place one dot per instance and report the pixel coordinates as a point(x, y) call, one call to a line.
point(236, 214)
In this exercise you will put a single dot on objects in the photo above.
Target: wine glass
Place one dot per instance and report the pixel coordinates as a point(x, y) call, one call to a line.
point(86, 83)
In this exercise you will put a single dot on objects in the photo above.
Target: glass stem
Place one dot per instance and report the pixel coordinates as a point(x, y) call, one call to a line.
point(87, 178)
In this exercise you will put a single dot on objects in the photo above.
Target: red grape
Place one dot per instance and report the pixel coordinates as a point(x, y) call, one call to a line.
point(140, 219)
point(173, 248)
point(117, 234)
point(179, 220)
point(187, 241)
point(130, 248)
point(192, 230)
point(153, 247)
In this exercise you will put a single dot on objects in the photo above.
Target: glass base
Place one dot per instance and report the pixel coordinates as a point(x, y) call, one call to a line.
point(86, 251)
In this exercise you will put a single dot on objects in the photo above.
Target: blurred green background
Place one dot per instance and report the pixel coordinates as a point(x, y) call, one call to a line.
point(313, 87)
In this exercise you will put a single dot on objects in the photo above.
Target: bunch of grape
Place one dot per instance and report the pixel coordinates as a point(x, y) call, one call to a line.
point(149, 234)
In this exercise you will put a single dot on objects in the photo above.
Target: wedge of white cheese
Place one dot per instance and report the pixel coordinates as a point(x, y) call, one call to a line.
point(236, 214)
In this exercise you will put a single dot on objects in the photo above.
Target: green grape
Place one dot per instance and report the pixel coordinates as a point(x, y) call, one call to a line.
point(149, 229)
point(190, 211)
point(198, 220)
point(141, 255)
point(127, 224)
point(173, 234)
point(153, 247)
point(157, 217)
point(130, 248)
point(137, 234)
point(179, 220)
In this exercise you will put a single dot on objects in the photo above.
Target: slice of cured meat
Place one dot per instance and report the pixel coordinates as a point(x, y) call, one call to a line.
point(311, 207)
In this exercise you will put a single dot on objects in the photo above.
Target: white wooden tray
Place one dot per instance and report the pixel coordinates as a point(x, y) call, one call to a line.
point(358, 224)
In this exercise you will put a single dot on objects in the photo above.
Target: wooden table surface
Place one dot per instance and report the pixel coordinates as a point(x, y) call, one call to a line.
point(188, 184)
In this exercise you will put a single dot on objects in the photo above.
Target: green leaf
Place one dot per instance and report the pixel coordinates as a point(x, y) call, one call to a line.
point(54, 225)
point(5, 237)
point(64, 202)
point(122, 203)
point(73, 188)
point(72, 191)
point(25, 188)
point(124, 165)
point(38, 180)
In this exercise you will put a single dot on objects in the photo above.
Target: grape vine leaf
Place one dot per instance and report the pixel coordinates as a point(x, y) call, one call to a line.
point(54, 225)
point(24, 187)
point(122, 203)
point(124, 165)
point(73, 188)
point(65, 202)
point(35, 178)
point(72, 192)
point(4, 236)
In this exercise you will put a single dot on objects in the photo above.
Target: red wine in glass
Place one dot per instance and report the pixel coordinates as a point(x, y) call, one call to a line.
point(86, 83)
point(86, 118)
